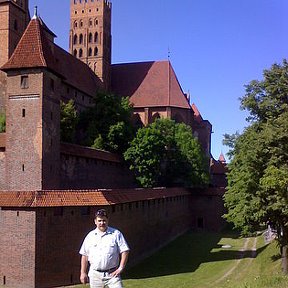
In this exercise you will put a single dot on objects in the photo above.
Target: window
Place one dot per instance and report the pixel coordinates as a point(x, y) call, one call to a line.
point(81, 39)
point(90, 38)
point(24, 82)
point(90, 52)
point(23, 112)
point(96, 37)
point(80, 53)
point(95, 51)
point(75, 53)
point(75, 40)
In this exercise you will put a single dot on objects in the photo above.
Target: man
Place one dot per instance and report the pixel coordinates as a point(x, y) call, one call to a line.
point(107, 252)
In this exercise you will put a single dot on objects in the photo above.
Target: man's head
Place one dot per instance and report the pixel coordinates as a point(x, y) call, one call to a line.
point(101, 220)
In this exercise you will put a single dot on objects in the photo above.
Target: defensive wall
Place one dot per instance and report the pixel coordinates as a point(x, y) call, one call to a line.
point(41, 232)
point(87, 168)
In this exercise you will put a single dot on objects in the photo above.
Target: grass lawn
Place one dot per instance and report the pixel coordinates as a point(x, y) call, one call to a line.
point(198, 260)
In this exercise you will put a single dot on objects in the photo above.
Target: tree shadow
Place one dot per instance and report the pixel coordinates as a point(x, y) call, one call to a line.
point(185, 254)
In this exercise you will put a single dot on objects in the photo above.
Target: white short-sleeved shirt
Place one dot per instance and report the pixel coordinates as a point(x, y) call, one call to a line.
point(103, 250)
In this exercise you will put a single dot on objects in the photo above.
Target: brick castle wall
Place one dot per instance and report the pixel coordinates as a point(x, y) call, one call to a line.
point(52, 236)
point(86, 168)
point(17, 257)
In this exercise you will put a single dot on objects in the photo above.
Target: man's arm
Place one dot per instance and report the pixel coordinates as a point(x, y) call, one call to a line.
point(84, 267)
point(123, 260)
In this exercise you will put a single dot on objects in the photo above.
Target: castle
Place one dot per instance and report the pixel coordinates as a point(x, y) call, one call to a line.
point(49, 189)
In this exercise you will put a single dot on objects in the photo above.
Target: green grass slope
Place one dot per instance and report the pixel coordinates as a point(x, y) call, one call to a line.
point(204, 260)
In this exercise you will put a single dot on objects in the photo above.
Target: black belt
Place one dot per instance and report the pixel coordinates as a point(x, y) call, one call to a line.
point(107, 270)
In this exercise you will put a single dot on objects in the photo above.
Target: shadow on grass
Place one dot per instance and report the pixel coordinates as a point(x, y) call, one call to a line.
point(184, 255)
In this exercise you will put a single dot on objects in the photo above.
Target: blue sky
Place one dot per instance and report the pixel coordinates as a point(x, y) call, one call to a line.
point(216, 47)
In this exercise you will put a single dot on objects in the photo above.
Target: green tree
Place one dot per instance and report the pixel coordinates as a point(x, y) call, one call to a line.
point(2, 122)
point(257, 190)
point(167, 154)
point(68, 121)
point(107, 123)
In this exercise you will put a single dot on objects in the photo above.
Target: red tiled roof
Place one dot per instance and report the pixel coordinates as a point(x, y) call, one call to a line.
point(84, 197)
point(88, 152)
point(148, 84)
point(34, 50)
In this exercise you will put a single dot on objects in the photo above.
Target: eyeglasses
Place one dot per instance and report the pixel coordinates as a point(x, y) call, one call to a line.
point(101, 213)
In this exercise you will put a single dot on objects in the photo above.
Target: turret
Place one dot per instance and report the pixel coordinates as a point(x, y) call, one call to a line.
point(90, 35)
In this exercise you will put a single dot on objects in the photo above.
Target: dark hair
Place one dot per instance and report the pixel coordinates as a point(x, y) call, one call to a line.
point(101, 213)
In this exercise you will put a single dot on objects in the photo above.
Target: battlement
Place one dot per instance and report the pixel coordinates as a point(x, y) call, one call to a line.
point(105, 3)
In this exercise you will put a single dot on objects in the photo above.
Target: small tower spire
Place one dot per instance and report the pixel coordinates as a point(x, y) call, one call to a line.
point(222, 158)
point(35, 16)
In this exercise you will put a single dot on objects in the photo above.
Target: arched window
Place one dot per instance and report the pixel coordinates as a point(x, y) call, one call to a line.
point(90, 38)
point(155, 116)
point(90, 22)
point(81, 39)
point(95, 51)
point(96, 22)
point(90, 52)
point(81, 23)
point(75, 24)
point(80, 53)
point(75, 39)
point(96, 37)
point(75, 53)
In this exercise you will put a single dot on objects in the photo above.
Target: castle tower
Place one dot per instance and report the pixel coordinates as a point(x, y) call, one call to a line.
point(90, 35)
point(33, 112)
point(14, 18)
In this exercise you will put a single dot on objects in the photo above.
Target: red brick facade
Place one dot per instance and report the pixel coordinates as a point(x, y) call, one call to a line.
point(50, 235)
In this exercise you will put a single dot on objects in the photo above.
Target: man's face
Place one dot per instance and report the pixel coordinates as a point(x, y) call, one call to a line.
point(101, 223)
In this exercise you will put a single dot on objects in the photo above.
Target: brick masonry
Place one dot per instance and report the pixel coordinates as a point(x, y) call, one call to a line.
point(17, 238)
point(50, 238)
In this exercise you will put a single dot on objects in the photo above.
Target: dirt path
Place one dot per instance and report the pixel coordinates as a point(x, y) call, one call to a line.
point(242, 253)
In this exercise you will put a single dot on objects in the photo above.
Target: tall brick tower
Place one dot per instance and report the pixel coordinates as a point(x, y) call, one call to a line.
point(90, 35)
point(14, 18)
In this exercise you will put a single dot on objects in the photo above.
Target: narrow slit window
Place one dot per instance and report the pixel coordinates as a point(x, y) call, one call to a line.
point(23, 112)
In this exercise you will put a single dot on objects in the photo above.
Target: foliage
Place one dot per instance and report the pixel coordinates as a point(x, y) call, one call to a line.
point(68, 121)
point(2, 122)
point(167, 154)
point(257, 190)
point(107, 124)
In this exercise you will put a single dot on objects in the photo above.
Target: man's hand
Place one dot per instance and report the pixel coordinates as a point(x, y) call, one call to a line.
point(117, 272)
point(84, 278)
